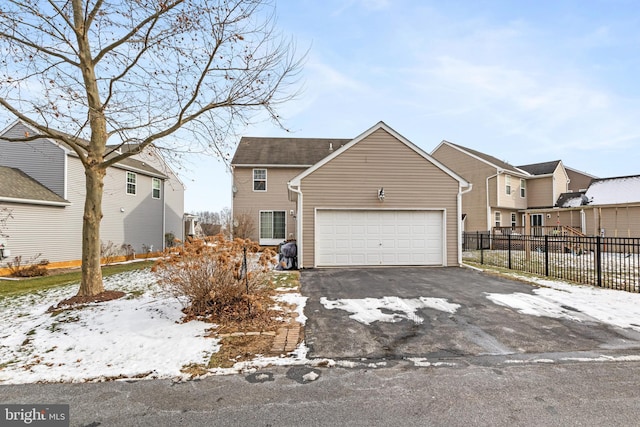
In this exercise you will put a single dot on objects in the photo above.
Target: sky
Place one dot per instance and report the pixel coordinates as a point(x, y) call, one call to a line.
point(526, 82)
point(141, 336)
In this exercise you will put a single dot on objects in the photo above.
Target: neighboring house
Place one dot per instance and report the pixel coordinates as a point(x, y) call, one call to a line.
point(502, 192)
point(42, 183)
point(608, 207)
point(376, 199)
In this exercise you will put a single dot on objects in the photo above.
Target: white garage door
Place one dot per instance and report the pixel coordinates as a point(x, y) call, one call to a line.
point(358, 237)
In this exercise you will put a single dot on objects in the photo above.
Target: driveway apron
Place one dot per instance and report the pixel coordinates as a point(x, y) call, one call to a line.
point(475, 327)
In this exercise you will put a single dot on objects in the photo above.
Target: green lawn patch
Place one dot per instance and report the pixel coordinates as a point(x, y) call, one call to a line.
point(53, 280)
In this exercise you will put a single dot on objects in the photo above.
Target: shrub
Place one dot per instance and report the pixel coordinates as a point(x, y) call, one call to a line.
point(209, 278)
point(129, 252)
point(109, 252)
point(29, 269)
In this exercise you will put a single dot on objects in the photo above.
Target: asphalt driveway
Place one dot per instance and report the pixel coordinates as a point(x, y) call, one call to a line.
point(450, 316)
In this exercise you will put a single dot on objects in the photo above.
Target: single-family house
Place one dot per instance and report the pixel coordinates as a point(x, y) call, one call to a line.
point(377, 199)
point(42, 186)
point(502, 192)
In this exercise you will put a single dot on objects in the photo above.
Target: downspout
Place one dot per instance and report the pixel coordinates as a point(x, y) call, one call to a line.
point(298, 217)
point(460, 193)
point(497, 197)
point(164, 214)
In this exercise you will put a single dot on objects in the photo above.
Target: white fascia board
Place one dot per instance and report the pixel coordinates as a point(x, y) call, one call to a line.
point(258, 165)
point(33, 202)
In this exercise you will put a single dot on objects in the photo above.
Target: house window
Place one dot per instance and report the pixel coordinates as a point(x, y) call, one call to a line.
point(513, 220)
point(272, 227)
point(507, 179)
point(131, 183)
point(497, 218)
point(523, 191)
point(155, 188)
point(259, 180)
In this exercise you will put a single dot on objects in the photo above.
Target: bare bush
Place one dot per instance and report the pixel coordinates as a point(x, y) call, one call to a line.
point(212, 281)
point(243, 225)
point(30, 268)
point(109, 252)
point(129, 252)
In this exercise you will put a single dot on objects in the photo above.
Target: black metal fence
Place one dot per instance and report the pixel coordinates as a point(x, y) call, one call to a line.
point(608, 262)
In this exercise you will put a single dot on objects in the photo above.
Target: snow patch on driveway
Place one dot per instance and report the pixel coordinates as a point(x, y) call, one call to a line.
point(369, 310)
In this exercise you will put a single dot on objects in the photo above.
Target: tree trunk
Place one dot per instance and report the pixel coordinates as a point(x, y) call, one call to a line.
point(91, 271)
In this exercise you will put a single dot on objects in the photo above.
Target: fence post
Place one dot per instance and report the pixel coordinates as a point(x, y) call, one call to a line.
point(509, 250)
point(546, 255)
point(481, 249)
point(598, 262)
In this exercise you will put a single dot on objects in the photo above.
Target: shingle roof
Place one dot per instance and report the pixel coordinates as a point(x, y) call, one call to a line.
point(496, 162)
point(284, 151)
point(571, 200)
point(15, 184)
point(544, 168)
point(617, 190)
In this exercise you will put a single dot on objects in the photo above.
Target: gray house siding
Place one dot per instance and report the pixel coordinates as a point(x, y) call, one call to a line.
point(41, 159)
point(134, 219)
point(53, 232)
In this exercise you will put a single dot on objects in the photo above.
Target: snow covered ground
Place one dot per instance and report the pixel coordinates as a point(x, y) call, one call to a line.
point(140, 336)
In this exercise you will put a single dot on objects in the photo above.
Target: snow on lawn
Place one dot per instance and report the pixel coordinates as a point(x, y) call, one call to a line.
point(575, 302)
point(135, 336)
point(369, 310)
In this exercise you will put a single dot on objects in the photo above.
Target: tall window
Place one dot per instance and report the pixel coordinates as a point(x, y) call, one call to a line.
point(259, 180)
point(272, 227)
point(131, 183)
point(523, 191)
point(507, 180)
point(155, 188)
point(497, 217)
point(513, 219)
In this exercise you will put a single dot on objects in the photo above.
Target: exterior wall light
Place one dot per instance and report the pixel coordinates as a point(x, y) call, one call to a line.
point(381, 194)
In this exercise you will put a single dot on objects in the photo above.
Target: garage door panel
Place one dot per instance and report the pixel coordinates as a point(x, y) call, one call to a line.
point(361, 237)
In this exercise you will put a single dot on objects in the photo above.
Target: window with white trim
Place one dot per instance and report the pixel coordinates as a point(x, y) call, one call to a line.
point(259, 180)
point(155, 188)
point(513, 219)
point(272, 226)
point(523, 186)
point(507, 180)
point(498, 217)
point(131, 183)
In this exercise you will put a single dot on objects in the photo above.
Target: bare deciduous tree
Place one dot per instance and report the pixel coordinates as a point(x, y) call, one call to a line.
point(130, 73)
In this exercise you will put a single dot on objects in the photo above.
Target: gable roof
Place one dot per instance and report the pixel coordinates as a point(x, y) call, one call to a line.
point(17, 186)
point(544, 168)
point(497, 163)
point(380, 125)
point(263, 151)
point(128, 163)
point(616, 190)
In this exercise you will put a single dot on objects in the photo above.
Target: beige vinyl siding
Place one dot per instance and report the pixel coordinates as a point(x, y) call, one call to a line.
point(617, 221)
point(559, 184)
point(578, 180)
point(352, 179)
point(540, 192)
point(276, 198)
point(54, 232)
point(509, 201)
point(474, 203)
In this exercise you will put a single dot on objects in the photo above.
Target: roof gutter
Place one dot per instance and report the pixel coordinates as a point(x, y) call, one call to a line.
point(33, 202)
